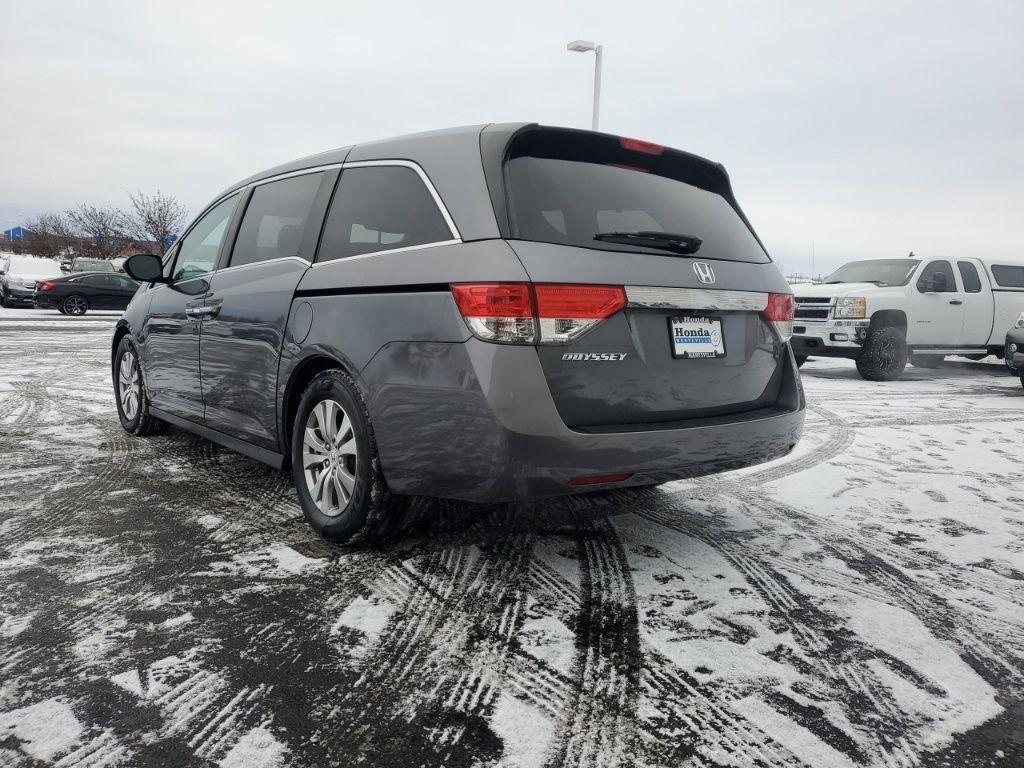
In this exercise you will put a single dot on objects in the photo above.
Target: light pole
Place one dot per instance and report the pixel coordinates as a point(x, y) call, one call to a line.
point(584, 46)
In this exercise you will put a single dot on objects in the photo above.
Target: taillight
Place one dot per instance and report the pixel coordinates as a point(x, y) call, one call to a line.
point(500, 312)
point(780, 312)
point(566, 312)
point(541, 313)
point(44, 285)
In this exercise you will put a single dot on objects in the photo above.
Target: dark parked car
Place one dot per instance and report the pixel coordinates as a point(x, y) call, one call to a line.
point(485, 313)
point(77, 294)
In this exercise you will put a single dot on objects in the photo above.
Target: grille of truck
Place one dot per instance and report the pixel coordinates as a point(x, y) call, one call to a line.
point(812, 307)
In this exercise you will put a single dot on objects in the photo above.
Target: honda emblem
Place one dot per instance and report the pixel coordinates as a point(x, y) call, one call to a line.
point(704, 272)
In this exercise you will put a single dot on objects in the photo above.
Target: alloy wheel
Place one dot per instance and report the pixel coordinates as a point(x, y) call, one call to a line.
point(75, 305)
point(329, 455)
point(129, 388)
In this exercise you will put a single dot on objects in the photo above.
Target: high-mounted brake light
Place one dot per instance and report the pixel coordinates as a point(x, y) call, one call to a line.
point(780, 312)
point(541, 313)
point(645, 147)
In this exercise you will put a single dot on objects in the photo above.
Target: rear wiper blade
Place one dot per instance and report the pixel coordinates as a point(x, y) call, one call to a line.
point(669, 241)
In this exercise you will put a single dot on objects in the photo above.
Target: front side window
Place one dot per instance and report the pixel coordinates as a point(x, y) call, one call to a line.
point(604, 193)
point(1008, 276)
point(275, 219)
point(969, 274)
point(937, 277)
point(199, 249)
point(379, 209)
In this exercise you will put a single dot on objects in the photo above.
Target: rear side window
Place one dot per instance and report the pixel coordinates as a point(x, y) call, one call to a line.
point(969, 274)
point(1008, 276)
point(275, 219)
point(568, 188)
point(379, 209)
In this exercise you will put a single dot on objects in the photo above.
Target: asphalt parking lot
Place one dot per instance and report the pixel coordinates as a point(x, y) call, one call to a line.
point(860, 602)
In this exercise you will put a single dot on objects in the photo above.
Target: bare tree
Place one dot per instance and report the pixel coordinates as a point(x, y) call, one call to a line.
point(153, 219)
point(101, 228)
point(52, 233)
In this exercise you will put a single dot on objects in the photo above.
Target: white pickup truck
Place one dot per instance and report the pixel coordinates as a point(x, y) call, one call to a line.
point(884, 312)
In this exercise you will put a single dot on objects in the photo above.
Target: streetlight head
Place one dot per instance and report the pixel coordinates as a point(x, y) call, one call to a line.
point(581, 46)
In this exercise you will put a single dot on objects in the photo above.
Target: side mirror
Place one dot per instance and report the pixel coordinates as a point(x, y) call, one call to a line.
point(146, 268)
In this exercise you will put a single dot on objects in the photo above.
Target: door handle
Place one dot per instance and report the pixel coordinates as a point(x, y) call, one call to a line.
point(955, 302)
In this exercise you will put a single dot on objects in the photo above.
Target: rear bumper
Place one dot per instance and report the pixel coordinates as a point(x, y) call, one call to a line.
point(832, 338)
point(476, 421)
point(45, 301)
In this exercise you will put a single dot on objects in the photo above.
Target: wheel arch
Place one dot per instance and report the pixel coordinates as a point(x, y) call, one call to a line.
point(121, 330)
point(890, 318)
point(298, 379)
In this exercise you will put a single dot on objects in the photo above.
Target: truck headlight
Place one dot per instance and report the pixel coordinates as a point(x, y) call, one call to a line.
point(851, 307)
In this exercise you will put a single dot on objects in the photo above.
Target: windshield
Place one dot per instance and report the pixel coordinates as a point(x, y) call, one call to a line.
point(881, 271)
point(595, 191)
point(92, 265)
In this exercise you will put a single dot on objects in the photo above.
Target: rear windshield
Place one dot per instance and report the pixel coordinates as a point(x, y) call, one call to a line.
point(92, 265)
point(570, 187)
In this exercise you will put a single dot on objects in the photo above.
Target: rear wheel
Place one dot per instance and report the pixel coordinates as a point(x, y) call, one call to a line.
point(335, 464)
point(884, 355)
point(130, 393)
point(75, 305)
point(927, 361)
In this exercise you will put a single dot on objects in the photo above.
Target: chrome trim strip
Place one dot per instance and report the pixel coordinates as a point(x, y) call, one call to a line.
point(695, 298)
point(406, 249)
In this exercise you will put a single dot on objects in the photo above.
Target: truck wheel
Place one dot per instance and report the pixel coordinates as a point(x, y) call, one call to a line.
point(884, 355)
point(800, 360)
point(927, 361)
point(1022, 381)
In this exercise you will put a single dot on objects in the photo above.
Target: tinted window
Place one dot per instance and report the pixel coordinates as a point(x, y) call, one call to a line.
point(927, 282)
point(1007, 276)
point(566, 187)
point(275, 219)
point(379, 209)
point(968, 273)
point(199, 249)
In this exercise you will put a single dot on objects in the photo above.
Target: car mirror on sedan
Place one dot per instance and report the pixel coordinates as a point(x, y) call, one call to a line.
point(145, 267)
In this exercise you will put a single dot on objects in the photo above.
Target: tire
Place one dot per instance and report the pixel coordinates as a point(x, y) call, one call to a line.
point(3, 300)
point(800, 360)
point(927, 361)
point(1022, 381)
point(133, 412)
point(884, 355)
point(332, 422)
point(75, 305)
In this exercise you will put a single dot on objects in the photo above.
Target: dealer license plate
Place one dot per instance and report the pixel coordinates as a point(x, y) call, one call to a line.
point(696, 337)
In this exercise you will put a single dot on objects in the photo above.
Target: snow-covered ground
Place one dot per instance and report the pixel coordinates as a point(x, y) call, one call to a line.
point(860, 602)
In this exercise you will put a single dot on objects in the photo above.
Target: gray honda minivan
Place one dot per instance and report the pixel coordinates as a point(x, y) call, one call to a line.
point(486, 313)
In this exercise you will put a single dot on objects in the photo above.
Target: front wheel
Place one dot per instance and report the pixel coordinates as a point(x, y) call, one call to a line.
point(75, 305)
point(130, 393)
point(884, 355)
point(335, 465)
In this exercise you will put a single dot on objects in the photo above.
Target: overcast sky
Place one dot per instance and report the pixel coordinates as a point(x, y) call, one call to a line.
point(868, 129)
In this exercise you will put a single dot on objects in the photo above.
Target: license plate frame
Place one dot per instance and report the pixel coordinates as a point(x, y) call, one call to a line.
point(703, 347)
